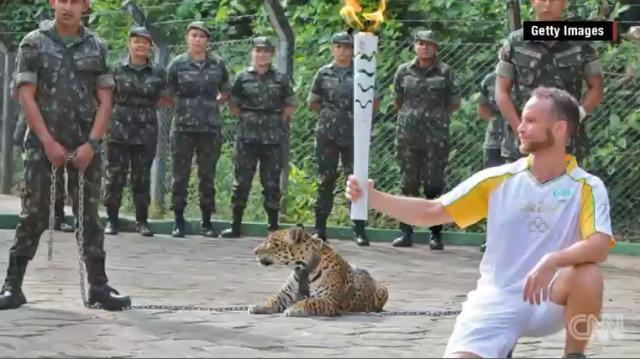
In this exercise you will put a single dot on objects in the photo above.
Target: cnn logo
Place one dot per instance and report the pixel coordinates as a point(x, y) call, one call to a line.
point(587, 326)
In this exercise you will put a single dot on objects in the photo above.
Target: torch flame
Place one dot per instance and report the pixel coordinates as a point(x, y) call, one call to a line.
point(352, 8)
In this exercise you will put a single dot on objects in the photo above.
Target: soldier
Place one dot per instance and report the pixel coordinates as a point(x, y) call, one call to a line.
point(488, 111)
point(523, 66)
point(331, 95)
point(65, 89)
point(199, 82)
point(140, 86)
point(59, 223)
point(263, 100)
point(494, 134)
point(425, 95)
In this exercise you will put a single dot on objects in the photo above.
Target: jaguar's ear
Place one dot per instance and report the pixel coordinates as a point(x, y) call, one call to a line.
point(295, 234)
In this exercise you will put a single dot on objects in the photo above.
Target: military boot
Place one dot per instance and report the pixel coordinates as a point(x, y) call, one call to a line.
point(360, 233)
point(207, 227)
point(179, 227)
point(234, 231)
point(99, 291)
point(406, 239)
point(435, 239)
point(321, 227)
point(11, 295)
point(272, 215)
point(60, 223)
point(111, 227)
point(142, 226)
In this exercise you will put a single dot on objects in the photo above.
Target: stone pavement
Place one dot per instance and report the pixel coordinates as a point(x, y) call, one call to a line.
point(223, 272)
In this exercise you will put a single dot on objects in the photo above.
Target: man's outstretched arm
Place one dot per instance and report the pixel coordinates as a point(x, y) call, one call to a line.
point(413, 211)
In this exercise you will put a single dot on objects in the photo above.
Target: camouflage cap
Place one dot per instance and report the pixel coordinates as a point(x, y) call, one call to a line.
point(262, 41)
point(342, 38)
point(426, 35)
point(200, 25)
point(140, 31)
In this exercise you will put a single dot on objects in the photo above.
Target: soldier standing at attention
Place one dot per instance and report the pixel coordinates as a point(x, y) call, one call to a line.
point(263, 99)
point(199, 82)
point(488, 111)
point(523, 66)
point(425, 95)
point(64, 87)
point(133, 130)
point(331, 95)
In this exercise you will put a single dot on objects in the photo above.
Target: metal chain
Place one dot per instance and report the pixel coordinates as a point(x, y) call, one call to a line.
point(52, 201)
point(81, 268)
point(422, 313)
point(189, 308)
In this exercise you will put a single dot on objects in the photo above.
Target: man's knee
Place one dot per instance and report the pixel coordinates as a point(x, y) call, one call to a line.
point(585, 278)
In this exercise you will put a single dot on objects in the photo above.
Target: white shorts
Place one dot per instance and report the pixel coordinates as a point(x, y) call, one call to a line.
point(490, 324)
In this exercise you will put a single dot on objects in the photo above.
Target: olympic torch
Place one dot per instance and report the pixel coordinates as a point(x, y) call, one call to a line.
point(364, 75)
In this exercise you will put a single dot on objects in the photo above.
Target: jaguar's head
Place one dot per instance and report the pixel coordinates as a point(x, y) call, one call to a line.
point(292, 247)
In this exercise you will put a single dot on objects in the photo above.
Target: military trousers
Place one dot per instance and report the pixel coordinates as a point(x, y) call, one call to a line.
point(492, 157)
point(206, 146)
point(124, 159)
point(423, 168)
point(246, 156)
point(329, 154)
point(35, 197)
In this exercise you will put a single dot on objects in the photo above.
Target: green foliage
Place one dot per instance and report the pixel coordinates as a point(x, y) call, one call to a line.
point(471, 32)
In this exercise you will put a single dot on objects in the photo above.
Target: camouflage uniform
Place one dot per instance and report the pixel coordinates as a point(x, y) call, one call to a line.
point(133, 134)
point(495, 128)
point(332, 88)
point(563, 64)
point(422, 137)
point(196, 128)
point(67, 73)
point(259, 135)
point(60, 223)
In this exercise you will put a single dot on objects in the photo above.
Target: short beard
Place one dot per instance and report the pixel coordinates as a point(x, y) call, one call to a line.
point(532, 147)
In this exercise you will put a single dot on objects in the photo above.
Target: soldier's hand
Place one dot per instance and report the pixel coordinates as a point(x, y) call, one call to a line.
point(83, 157)
point(353, 190)
point(56, 153)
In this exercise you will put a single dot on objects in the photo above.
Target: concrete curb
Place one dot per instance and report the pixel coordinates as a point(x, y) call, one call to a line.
point(127, 224)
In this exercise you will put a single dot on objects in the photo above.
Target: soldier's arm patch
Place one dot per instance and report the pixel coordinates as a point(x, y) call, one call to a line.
point(105, 76)
point(27, 60)
point(313, 97)
point(315, 92)
point(505, 69)
point(593, 68)
point(105, 81)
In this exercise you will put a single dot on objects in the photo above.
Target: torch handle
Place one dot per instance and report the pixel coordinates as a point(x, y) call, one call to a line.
point(364, 70)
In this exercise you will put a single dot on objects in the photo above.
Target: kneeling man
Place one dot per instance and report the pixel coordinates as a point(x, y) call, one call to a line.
point(548, 226)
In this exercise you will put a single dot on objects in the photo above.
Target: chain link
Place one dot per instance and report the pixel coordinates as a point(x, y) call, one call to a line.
point(81, 267)
point(52, 201)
